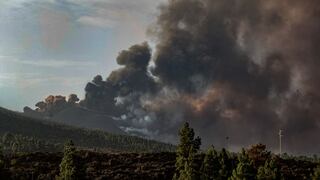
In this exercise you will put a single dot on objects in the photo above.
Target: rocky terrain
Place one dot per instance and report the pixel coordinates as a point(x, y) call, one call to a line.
point(92, 165)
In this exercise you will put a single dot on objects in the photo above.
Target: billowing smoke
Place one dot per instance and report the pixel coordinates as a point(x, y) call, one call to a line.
point(238, 71)
point(122, 85)
point(244, 68)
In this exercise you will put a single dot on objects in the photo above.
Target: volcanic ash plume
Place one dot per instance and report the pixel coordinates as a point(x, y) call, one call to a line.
point(239, 69)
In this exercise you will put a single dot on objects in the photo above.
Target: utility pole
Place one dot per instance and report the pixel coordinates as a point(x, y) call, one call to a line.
point(280, 141)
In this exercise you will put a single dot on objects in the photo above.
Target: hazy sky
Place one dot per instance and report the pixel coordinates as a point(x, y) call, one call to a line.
point(57, 46)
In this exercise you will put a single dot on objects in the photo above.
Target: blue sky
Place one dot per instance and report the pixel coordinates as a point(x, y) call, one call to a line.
point(57, 46)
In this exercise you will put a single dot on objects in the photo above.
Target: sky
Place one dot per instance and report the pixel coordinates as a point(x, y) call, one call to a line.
point(57, 46)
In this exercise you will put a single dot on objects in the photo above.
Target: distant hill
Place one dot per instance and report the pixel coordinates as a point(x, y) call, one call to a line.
point(55, 134)
point(80, 117)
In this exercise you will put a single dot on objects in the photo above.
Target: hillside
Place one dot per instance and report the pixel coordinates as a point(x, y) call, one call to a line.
point(79, 117)
point(53, 134)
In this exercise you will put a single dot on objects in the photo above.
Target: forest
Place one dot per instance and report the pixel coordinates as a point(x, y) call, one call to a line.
point(21, 133)
point(30, 158)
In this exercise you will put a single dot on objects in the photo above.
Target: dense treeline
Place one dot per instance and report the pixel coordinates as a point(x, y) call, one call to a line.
point(255, 163)
point(13, 143)
point(188, 163)
point(53, 133)
point(218, 164)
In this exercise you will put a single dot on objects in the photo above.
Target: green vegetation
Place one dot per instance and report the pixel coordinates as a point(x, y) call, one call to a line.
point(244, 169)
point(269, 171)
point(13, 143)
point(255, 163)
point(211, 165)
point(225, 164)
point(1, 159)
point(316, 174)
point(25, 142)
point(48, 135)
point(186, 151)
point(68, 166)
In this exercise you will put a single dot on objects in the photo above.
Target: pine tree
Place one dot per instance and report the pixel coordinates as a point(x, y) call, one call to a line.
point(269, 171)
point(244, 169)
point(316, 173)
point(67, 165)
point(186, 151)
point(211, 165)
point(225, 165)
point(189, 172)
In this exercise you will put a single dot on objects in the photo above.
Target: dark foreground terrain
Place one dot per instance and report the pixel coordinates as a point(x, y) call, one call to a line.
point(93, 165)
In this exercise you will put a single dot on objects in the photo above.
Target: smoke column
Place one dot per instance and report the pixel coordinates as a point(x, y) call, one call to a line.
point(238, 71)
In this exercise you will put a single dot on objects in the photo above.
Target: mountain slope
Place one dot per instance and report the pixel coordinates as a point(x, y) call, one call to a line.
point(16, 123)
point(79, 117)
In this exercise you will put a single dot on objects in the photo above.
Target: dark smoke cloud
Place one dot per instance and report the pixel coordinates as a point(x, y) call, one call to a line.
point(238, 67)
point(124, 86)
point(134, 76)
point(238, 71)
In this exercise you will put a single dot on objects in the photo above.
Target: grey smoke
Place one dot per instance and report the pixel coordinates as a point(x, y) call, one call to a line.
point(237, 69)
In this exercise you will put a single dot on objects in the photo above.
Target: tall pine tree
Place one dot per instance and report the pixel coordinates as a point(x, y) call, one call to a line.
point(67, 165)
point(186, 151)
point(225, 164)
point(211, 165)
point(245, 169)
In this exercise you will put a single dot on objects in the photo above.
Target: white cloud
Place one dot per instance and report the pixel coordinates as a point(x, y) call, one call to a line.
point(46, 63)
point(26, 80)
point(109, 13)
point(13, 79)
point(96, 21)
